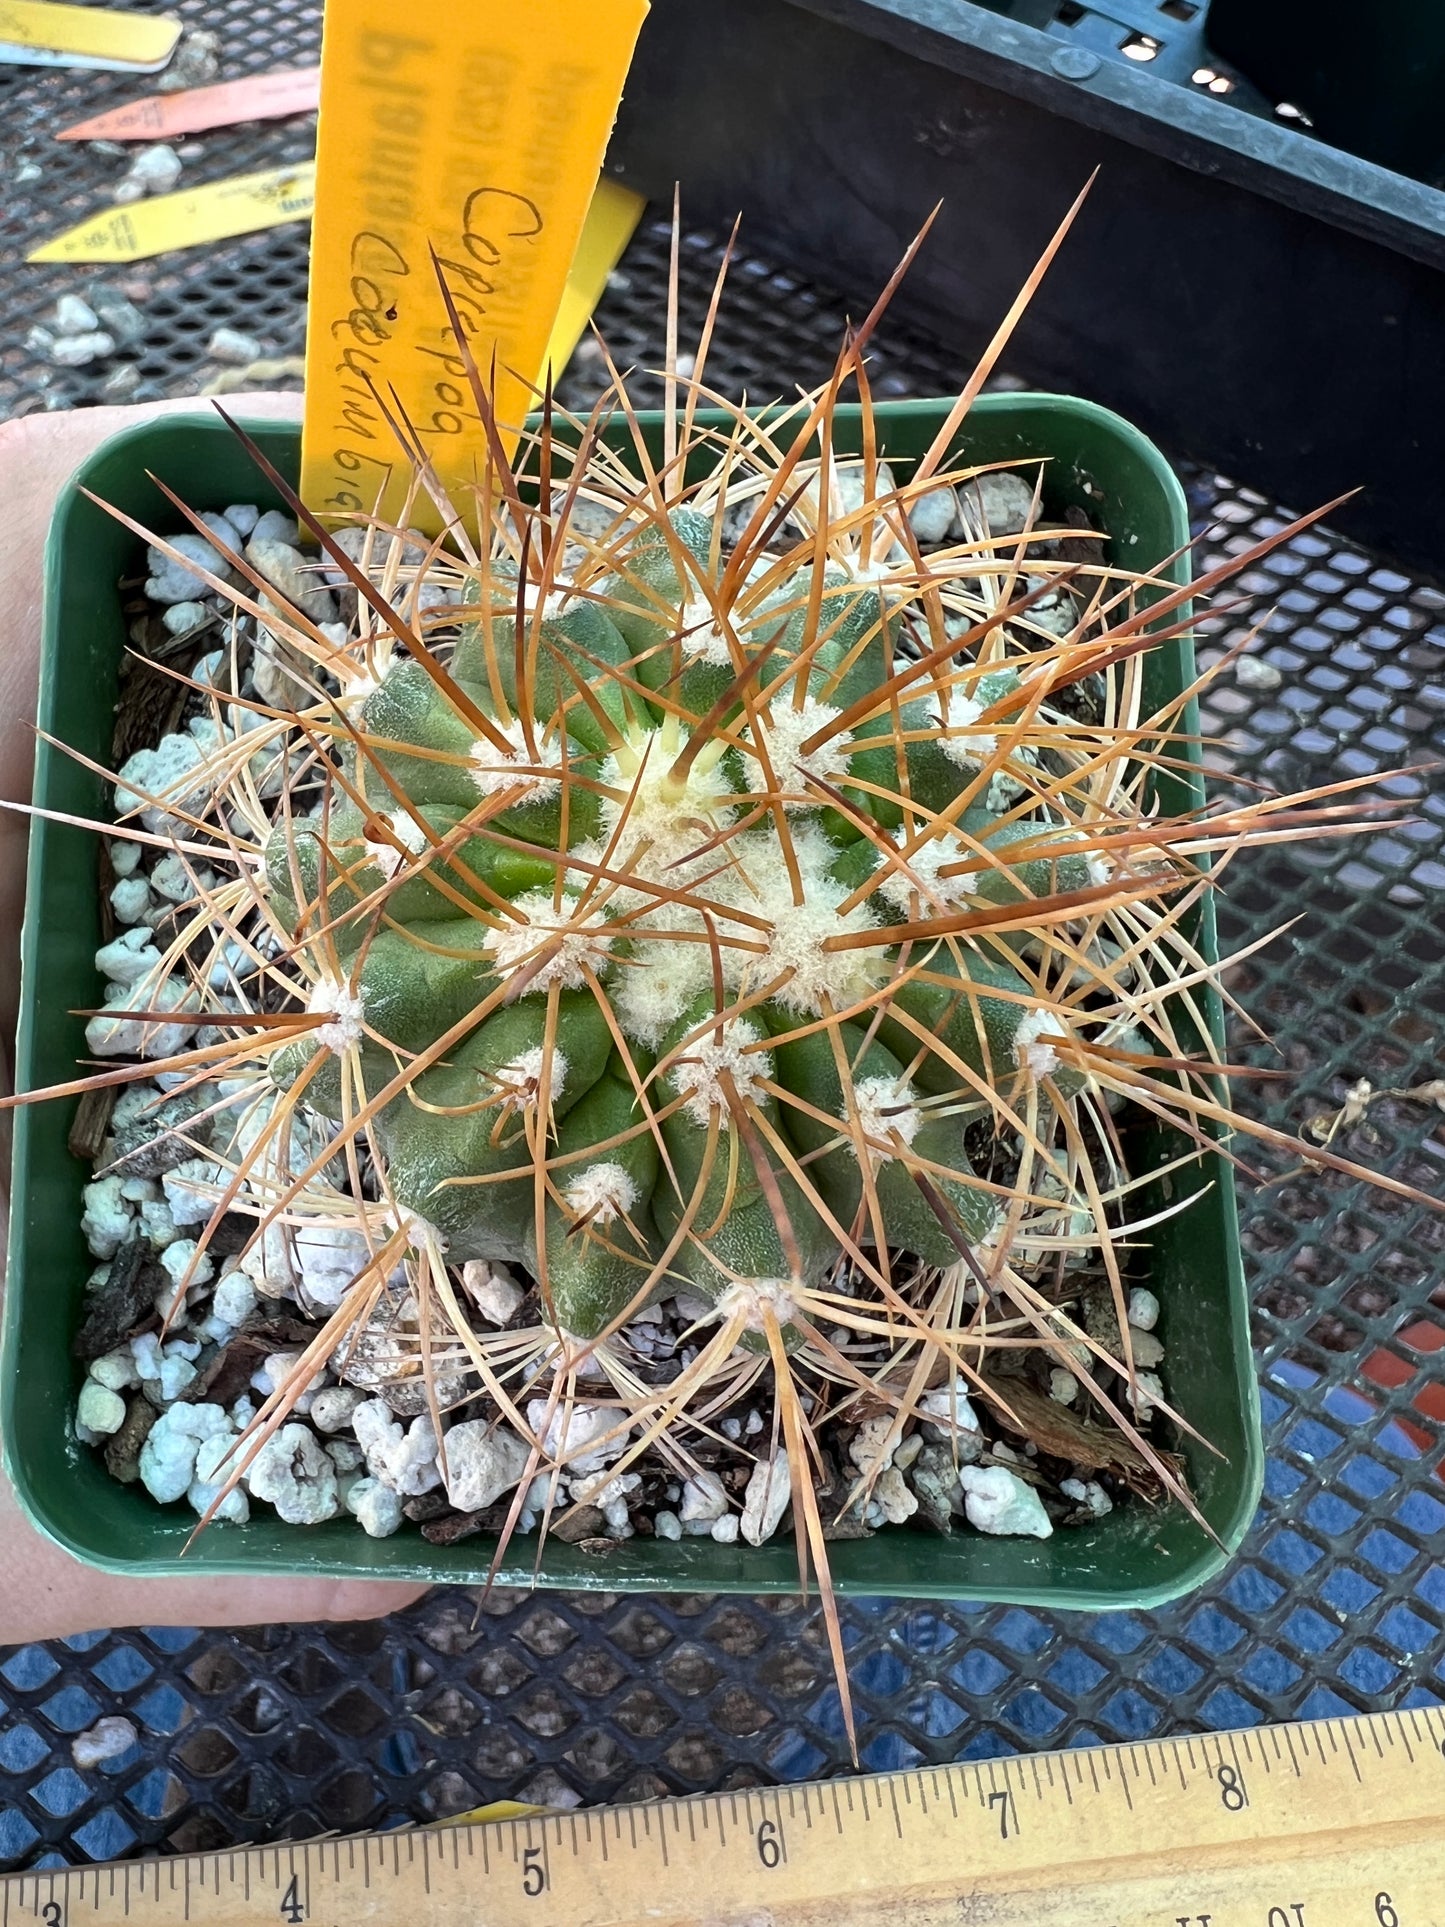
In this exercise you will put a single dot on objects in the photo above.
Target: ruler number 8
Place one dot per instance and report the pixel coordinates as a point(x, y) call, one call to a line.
point(1231, 1788)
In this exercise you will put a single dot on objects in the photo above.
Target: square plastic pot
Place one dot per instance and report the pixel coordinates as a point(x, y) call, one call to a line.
point(1136, 1557)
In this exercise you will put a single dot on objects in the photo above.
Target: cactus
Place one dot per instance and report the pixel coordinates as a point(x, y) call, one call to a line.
point(680, 882)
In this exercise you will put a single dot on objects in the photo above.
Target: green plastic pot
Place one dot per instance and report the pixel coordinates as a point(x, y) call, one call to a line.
point(1136, 1557)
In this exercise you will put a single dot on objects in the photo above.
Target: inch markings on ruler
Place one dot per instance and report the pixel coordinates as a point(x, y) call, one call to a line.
point(1335, 1824)
point(475, 134)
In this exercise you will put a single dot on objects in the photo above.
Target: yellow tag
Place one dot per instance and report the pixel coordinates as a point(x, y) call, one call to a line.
point(498, 1810)
point(211, 213)
point(83, 35)
point(474, 131)
point(611, 223)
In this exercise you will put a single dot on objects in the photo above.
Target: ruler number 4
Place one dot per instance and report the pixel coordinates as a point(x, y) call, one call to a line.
point(1008, 1818)
point(293, 1907)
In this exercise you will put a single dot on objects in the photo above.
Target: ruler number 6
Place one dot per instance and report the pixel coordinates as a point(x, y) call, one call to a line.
point(1003, 1804)
point(534, 1872)
point(770, 1845)
point(1385, 1911)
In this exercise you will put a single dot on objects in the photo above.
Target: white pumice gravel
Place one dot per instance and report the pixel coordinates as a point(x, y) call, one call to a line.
point(492, 1290)
point(292, 1473)
point(1063, 1386)
point(769, 1490)
point(375, 1507)
point(98, 1411)
point(216, 1461)
point(577, 1435)
point(1088, 1492)
point(403, 1458)
point(1143, 1309)
point(872, 1445)
point(108, 1739)
point(168, 1457)
point(704, 1499)
point(482, 1462)
point(998, 1501)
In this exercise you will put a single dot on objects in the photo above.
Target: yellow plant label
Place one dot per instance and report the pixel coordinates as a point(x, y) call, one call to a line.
point(240, 205)
point(611, 223)
point(475, 135)
point(85, 36)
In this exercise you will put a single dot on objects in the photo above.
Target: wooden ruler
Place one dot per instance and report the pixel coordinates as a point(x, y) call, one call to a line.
point(1340, 1823)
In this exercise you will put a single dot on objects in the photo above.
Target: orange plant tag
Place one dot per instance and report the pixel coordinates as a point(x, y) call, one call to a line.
point(476, 134)
point(294, 90)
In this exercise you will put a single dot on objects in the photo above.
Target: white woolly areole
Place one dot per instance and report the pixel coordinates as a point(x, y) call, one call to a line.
point(799, 930)
point(651, 992)
point(600, 1193)
point(583, 943)
point(925, 860)
point(968, 748)
point(785, 729)
point(701, 1067)
point(1101, 867)
point(408, 833)
point(1034, 1042)
point(495, 770)
point(338, 1001)
point(521, 1076)
point(751, 1295)
point(672, 822)
point(885, 1107)
point(701, 638)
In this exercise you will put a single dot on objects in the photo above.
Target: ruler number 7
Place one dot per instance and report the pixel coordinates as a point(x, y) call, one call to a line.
point(1008, 1817)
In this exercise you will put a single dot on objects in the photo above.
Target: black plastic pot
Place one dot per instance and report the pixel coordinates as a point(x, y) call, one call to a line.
point(1249, 295)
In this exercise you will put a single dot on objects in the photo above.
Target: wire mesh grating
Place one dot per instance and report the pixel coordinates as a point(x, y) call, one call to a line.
point(1337, 1601)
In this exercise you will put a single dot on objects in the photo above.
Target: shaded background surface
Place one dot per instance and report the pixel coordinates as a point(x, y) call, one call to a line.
point(1336, 1603)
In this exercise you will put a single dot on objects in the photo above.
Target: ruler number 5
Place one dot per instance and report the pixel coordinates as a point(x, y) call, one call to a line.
point(1003, 1804)
point(534, 1872)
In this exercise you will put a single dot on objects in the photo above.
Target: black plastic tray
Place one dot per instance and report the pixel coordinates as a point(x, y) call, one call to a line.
point(1245, 293)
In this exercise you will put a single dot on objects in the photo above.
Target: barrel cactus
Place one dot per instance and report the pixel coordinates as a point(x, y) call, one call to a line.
point(676, 920)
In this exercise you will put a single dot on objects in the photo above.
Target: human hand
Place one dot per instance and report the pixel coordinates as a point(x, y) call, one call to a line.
point(45, 1593)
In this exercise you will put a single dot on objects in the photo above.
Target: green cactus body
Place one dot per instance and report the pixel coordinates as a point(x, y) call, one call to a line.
point(888, 1113)
point(455, 1137)
point(598, 1255)
point(646, 885)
